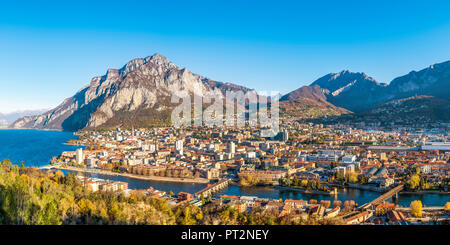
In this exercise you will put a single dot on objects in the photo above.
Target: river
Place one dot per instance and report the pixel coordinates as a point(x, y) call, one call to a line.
point(359, 196)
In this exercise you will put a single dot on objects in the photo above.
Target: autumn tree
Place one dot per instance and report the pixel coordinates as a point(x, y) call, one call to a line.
point(202, 198)
point(447, 206)
point(416, 208)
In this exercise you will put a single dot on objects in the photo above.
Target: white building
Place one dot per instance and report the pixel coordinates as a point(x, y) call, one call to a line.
point(79, 156)
point(90, 162)
point(250, 155)
point(426, 169)
point(212, 148)
point(337, 153)
point(441, 146)
point(118, 137)
point(284, 135)
point(231, 147)
point(348, 159)
point(219, 157)
point(103, 154)
point(179, 147)
point(149, 147)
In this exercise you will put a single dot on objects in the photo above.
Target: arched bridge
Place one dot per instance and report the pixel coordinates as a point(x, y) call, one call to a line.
point(222, 184)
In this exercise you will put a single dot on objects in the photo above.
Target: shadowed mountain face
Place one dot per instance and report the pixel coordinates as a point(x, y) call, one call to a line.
point(431, 81)
point(137, 95)
point(418, 108)
point(352, 91)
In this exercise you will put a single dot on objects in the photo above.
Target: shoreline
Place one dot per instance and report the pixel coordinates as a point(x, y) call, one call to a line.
point(377, 189)
point(364, 187)
point(304, 191)
point(133, 176)
point(424, 192)
point(74, 144)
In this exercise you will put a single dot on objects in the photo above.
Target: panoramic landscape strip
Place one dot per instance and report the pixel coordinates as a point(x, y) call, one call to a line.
point(312, 169)
point(213, 121)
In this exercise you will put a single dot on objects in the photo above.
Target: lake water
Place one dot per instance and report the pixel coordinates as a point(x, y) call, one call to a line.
point(36, 148)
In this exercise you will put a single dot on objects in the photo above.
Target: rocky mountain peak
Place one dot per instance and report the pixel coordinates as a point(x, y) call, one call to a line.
point(159, 59)
point(140, 89)
point(339, 82)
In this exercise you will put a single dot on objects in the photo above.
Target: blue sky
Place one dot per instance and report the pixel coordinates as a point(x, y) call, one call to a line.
point(50, 49)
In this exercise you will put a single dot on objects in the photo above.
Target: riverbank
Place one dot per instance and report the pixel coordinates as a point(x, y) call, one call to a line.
point(133, 176)
point(365, 187)
point(234, 189)
point(425, 192)
point(381, 190)
point(304, 191)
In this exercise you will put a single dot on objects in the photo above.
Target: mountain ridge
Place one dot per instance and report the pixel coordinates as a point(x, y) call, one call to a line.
point(358, 92)
point(143, 84)
point(143, 87)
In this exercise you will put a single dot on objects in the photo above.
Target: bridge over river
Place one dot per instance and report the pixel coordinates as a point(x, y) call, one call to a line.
point(222, 184)
point(384, 197)
point(49, 166)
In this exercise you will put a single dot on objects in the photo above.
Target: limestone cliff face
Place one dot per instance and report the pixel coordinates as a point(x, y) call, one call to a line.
point(141, 86)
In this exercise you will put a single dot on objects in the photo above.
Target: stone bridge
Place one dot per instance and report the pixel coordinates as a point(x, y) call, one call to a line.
point(211, 189)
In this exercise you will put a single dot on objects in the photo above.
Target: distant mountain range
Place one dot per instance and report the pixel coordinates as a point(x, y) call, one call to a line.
point(358, 92)
point(8, 118)
point(139, 93)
